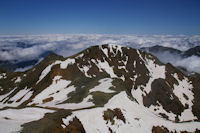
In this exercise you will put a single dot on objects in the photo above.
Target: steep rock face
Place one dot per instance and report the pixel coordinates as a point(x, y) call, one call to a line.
point(91, 79)
point(196, 91)
point(163, 94)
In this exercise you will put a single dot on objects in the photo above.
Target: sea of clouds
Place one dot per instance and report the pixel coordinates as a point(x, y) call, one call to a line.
point(28, 47)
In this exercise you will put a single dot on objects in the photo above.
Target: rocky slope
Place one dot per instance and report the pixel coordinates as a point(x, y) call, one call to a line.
point(105, 88)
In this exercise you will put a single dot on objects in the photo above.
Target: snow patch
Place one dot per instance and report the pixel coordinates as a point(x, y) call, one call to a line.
point(104, 86)
point(17, 99)
point(3, 76)
point(68, 119)
point(184, 92)
point(184, 87)
point(47, 70)
point(155, 71)
point(18, 80)
point(85, 70)
point(58, 90)
point(17, 117)
point(5, 98)
point(116, 47)
point(106, 67)
point(24, 95)
point(187, 115)
point(105, 51)
point(157, 109)
point(64, 64)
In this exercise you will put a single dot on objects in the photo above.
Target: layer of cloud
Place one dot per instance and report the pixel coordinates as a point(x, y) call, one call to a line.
point(28, 47)
point(192, 63)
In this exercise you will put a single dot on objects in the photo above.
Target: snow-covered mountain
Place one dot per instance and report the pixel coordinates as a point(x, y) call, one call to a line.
point(107, 88)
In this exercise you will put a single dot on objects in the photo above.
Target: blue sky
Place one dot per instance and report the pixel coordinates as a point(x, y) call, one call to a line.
point(100, 16)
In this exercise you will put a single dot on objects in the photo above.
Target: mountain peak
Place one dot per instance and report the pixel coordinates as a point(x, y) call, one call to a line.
point(98, 78)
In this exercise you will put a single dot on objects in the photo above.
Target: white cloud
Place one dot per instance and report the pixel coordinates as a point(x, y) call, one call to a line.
point(67, 45)
point(191, 63)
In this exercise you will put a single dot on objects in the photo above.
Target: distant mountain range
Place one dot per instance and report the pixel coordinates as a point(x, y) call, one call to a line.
point(195, 51)
point(13, 65)
point(171, 55)
point(106, 88)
